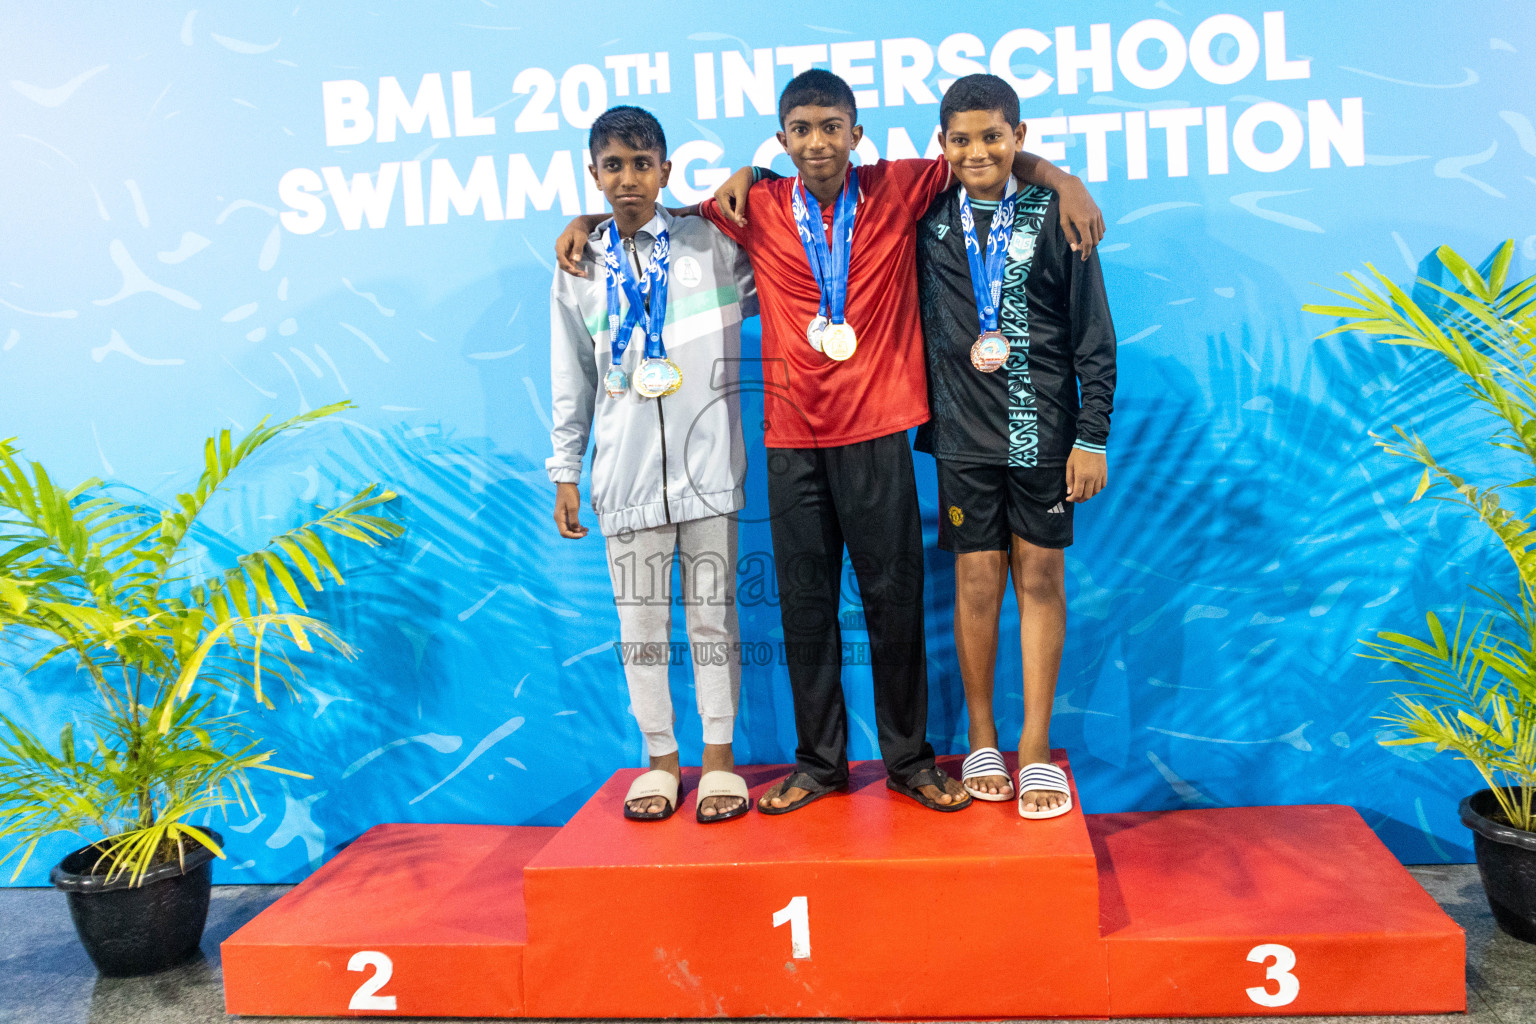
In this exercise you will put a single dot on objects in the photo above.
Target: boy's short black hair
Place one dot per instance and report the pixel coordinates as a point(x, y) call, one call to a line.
point(817, 88)
point(636, 128)
point(980, 92)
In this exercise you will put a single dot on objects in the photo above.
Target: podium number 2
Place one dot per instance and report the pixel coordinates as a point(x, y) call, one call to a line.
point(798, 914)
point(366, 997)
point(1279, 972)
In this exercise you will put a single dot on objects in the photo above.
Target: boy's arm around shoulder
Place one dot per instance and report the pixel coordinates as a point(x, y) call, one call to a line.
point(573, 240)
point(914, 183)
point(732, 198)
point(571, 246)
point(1081, 220)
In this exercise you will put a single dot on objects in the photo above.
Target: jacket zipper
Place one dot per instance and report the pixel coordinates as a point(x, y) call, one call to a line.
point(666, 503)
point(661, 417)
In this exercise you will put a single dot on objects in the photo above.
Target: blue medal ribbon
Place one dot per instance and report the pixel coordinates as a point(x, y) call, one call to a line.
point(621, 278)
point(987, 270)
point(829, 265)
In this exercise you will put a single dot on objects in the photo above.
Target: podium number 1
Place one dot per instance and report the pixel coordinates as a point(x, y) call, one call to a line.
point(1279, 972)
point(366, 997)
point(798, 914)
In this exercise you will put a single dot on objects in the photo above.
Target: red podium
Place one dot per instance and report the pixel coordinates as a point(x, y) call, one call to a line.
point(857, 906)
point(410, 919)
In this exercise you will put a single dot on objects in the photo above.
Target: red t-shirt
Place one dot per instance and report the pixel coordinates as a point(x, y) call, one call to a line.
point(882, 388)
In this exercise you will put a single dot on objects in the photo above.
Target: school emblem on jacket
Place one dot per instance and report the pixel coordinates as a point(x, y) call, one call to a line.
point(686, 271)
point(956, 517)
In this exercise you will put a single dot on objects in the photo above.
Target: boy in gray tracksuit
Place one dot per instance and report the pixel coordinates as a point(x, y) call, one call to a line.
point(657, 397)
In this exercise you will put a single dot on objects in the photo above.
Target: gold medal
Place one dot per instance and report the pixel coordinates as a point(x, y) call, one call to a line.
point(839, 342)
point(677, 378)
point(990, 351)
point(658, 377)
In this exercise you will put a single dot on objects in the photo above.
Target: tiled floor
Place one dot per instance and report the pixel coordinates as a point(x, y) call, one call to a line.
point(45, 977)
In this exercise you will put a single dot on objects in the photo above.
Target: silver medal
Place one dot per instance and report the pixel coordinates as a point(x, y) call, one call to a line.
point(616, 382)
point(815, 330)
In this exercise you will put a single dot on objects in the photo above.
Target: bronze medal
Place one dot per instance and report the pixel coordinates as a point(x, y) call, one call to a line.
point(990, 351)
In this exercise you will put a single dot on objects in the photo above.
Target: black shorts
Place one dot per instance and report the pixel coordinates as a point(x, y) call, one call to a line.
point(981, 506)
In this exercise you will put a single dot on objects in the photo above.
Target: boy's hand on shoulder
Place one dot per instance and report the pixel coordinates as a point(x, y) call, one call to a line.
point(572, 243)
point(1081, 220)
point(732, 196)
point(1087, 473)
point(567, 511)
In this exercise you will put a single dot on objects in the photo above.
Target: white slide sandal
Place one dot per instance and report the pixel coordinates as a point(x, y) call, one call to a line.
point(655, 782)
point(984, 761)
point(718, 784)
point(1049, 778)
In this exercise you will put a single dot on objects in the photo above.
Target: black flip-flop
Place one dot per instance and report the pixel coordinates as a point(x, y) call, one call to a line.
point(799, 780)
point(926, 777)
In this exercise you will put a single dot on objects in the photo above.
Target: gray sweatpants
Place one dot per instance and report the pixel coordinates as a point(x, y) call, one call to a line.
point(640, 565)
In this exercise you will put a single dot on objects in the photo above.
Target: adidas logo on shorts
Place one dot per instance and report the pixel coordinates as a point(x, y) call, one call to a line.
point(1060, 506)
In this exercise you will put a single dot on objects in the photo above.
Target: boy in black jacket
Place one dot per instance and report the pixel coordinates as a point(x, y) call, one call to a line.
point(1015, 324)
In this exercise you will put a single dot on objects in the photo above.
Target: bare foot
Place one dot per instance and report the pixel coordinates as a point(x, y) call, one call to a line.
point(984, 734)
point(1039, 799)
point(719, 758)
point(778, 797)
point(782, 796)
point(657, 804)
point(1043, 799)
point(952, 793)
point(992, 785)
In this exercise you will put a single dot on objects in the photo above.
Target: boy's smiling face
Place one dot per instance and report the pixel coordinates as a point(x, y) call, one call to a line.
point(631, 179)
point(818, 140)
point(980, 146)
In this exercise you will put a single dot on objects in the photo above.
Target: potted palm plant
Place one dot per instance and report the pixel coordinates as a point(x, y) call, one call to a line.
point(110, 587)
point(1472, 690)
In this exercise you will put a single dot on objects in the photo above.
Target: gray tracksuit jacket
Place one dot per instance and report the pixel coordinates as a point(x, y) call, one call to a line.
point(655, 460)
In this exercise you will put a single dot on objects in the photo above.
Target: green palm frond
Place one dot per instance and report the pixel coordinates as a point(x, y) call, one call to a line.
point(1471, 691)
point(221, 457)
point(301, 551)
point(96, 580)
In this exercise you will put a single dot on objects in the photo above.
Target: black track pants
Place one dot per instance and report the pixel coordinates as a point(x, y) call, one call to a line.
point(862, 496)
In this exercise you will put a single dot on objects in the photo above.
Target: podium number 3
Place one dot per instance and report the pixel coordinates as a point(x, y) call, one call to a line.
point(1279, 972)
point(798, 914)
point(366, 997)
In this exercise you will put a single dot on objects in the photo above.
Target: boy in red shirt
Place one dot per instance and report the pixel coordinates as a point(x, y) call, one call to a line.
point(840, 314)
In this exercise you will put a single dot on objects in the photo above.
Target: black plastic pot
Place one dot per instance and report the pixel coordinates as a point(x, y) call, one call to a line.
point(1506, 858)
point(138, 929)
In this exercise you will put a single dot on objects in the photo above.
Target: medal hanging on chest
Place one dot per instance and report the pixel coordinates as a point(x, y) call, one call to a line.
point(828, 332)
point(657, 375)
point(816, 328)
point(616, 382)
point(990, 350)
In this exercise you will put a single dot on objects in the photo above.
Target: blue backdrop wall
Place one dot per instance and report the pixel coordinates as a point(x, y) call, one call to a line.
point(189, 243)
